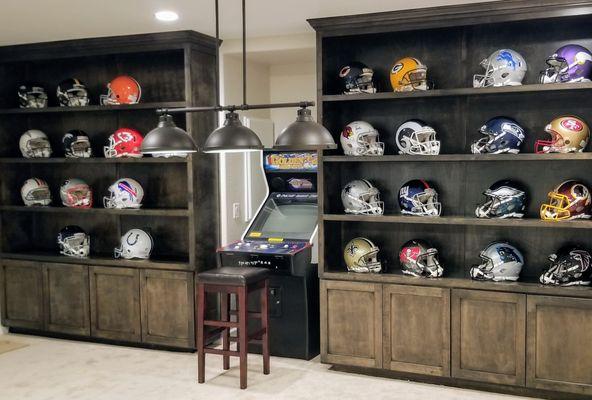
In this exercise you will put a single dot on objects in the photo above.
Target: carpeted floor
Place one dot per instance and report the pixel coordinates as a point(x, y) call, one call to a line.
point(51, 369)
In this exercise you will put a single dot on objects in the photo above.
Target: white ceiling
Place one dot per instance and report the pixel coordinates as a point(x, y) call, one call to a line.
point(27, 21)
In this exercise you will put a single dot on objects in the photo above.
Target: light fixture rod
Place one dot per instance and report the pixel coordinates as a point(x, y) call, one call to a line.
point(244, 54)
point(217, 12)
point(242, 107)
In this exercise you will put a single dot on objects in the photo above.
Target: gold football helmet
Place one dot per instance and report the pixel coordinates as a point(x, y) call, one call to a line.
point(361, 255)
point(569, 134)
point(409, 74)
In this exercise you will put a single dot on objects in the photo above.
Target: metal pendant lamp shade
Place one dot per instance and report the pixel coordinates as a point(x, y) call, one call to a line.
point(233, 136)
point(305, 134)
point(168, 139)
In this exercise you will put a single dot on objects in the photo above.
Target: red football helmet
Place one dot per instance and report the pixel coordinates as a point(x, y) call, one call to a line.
point(124, 142)
point(122, 90)
point(570, 200)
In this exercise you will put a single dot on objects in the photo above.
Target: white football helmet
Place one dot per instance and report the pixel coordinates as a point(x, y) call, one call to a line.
point(135, 243)
point(503, 67)
point(76, 193)
point(34, 144)
point(124, 193)
point(361, 197)
point(359, 138)
point(417, 138)
point(35, 192)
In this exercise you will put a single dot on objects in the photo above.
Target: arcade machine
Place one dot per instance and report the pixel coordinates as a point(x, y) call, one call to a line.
point(282, 237)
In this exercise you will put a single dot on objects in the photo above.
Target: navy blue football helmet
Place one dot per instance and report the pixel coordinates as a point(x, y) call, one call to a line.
point(357, 78)
point(504, 199)
point(502, 135)
point(417, 197)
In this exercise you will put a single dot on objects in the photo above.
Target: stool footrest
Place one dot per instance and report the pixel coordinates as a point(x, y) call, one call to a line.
point(221, 324)
point(209, 350)
point(252, 314)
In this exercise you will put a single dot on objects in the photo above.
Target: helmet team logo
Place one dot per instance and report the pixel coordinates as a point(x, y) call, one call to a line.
point(396, 68)
point(509, 254)
point(504, 67)
point(124, 193)
point(126, 187)
point(505, 55)
point(344, 71)
point(572, 124)
point(409, 254)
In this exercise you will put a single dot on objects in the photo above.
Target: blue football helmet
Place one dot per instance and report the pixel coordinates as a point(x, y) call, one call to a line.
point(504, 199)
point(502, 135)
point(417, 197)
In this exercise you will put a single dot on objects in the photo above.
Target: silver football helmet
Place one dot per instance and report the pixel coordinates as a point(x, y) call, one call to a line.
point(503, 67)
point(500, 262)
point(361, 197)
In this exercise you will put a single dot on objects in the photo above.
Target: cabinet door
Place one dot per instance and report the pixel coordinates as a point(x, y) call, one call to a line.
point(351, 323)
point(416, 329)
point(167, 308)
point(559, 344)
point(115, 303)
point(22, 294)
point(488, 335)
point(67, 304)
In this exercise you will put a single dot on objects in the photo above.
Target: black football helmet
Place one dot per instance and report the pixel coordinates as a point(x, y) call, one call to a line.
point(32, 95)
point(76, 144)
point(569, 267)
point(357, 78)
point(72, 93)
point(73, 241)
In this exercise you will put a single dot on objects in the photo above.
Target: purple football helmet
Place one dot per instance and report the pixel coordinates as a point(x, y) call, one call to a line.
point(570, 63)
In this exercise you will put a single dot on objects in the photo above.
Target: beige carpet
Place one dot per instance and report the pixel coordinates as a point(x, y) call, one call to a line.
point(8, 345)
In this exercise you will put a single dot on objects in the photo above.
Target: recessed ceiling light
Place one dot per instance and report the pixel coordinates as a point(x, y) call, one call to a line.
point(166, 15)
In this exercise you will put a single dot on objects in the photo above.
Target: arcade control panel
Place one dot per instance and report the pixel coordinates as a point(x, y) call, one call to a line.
point(285, 257)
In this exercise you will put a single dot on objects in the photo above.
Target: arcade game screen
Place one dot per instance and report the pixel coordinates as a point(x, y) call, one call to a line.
point(287, 218)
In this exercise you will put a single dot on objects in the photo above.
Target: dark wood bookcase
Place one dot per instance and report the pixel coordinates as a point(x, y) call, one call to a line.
point(147, 302)
point(496, 336)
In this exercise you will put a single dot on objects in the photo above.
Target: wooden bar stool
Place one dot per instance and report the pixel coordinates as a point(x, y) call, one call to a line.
point(241, 282)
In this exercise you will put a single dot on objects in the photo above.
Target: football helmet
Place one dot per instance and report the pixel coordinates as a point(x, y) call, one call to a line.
point(35, 144)
point(361, 255)
point(32, 95)
point(122, 90)
point(504, 199)
point(124, 142)
point(35, 192)
point(570, 266)
point(72, 93)
point(357, 78)
point(417, 197)
point(76, 193)
point(418, 258)
point(416, 137)
point(409, 74)
point(135, 243)
point(74, 242)
point(76, 144)
point(570, 63)
point(503, 67)
point(359, 138)
point(569, 134)
point(500, 262)
point(361, 197)
point(502, 135)
point(570, 200)
point(124, 193)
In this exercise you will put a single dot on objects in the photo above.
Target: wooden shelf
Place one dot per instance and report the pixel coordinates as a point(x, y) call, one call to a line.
point(173, 263)
point(94, 160)
point(461, 157)
point(93, 108)
point(469, 221)
point(461, 283)
point(166, 212)
point(535, 88)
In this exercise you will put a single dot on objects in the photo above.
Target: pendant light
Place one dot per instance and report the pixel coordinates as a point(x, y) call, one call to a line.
point(304, 134)
point(233, 136)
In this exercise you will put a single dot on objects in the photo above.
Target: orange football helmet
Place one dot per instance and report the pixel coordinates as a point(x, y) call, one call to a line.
point(409, 74)
point(122, 90)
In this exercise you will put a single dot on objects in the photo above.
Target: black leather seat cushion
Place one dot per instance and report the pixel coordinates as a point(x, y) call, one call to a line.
point(239, 276)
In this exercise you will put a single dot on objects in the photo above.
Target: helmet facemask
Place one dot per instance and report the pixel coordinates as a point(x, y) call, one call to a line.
point(38, 148)
point(368, 262)
point(425, 204)
point(415, 79)
point(76, 97)
point(363, 83)
point(80, 148)
point(34, 98)
point(366, 203)
point(557, 209)
point(79, 196)
point(483, 271)
point(39, 196)
point(368, 144)
point(76, 245)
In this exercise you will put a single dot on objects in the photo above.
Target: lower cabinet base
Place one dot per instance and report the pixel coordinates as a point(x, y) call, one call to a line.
point(460, 383)
point(99, 340)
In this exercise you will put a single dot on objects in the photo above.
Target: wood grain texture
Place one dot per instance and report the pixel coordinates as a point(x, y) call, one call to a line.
point(351, 323)
point(488, 336)
point(167, 308)
point(416, 329)
point(22, 294)
point(67, 306)
point(115, 303)
point(558, 344)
